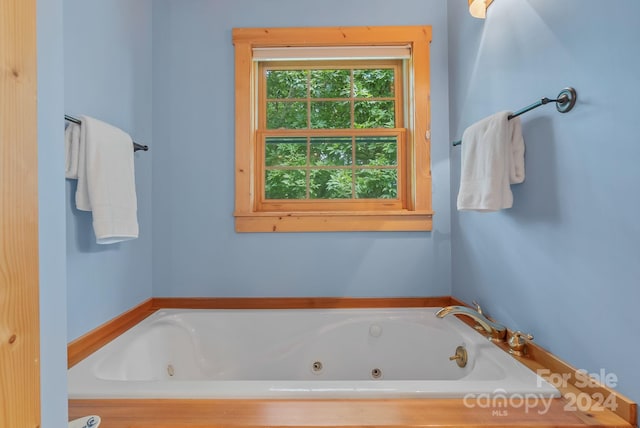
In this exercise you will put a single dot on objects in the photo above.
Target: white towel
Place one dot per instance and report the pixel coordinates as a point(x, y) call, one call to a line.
point(492, 160)
point(106, 181)
point(72, 148)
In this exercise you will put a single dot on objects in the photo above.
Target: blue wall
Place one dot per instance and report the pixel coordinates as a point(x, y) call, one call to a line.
point(107, 71)
point(196, 251)
point(563, 262)
point(51, 221)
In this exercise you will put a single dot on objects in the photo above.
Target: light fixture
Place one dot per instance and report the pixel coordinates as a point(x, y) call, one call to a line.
point(478, 8)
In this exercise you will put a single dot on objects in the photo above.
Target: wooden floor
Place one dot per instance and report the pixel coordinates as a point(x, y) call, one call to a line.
point(331, 413)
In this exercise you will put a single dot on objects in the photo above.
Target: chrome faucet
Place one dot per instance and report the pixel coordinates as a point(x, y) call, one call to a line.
point(496, 332)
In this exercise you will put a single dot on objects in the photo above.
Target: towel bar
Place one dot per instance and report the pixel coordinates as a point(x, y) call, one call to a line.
point(564, 103)
point(77, 121)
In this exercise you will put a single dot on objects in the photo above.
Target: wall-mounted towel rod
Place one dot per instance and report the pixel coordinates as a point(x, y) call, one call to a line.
point(564, 103)
point(136, 146)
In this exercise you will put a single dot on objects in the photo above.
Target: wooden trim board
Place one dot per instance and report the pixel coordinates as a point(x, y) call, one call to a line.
point(542, 361)
point(297, 302)
point(87, 344)
point(19, 265)
point(440, 413)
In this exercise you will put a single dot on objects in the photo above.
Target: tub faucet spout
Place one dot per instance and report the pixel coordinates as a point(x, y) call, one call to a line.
point(496, 332)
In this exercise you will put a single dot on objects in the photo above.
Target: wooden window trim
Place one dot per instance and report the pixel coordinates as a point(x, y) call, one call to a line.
point(415, 216)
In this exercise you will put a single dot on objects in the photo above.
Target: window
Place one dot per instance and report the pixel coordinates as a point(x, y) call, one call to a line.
point(329, 132)
point(331, 129)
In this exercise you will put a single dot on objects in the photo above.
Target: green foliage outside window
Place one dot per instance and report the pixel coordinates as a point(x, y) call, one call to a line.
point(331, 167)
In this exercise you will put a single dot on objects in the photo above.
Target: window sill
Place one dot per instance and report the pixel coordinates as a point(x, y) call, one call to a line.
point(378, 221)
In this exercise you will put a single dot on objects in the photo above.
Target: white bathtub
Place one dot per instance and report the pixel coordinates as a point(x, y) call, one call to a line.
point(313, 353)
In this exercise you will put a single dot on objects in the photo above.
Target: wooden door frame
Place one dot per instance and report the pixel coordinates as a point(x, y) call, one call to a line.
point(19, 306)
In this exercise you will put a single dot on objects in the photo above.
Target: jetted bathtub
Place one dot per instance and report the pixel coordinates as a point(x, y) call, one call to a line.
point(306, 353)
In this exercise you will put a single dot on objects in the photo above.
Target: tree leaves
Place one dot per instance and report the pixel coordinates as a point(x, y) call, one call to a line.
point(323, 167)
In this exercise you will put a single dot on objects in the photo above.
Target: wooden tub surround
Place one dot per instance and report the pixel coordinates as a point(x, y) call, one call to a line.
point(384, 413)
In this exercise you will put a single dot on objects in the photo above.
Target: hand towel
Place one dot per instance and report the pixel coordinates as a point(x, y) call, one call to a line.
point(492, 159)
point(72, 148)
point(106, 181)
